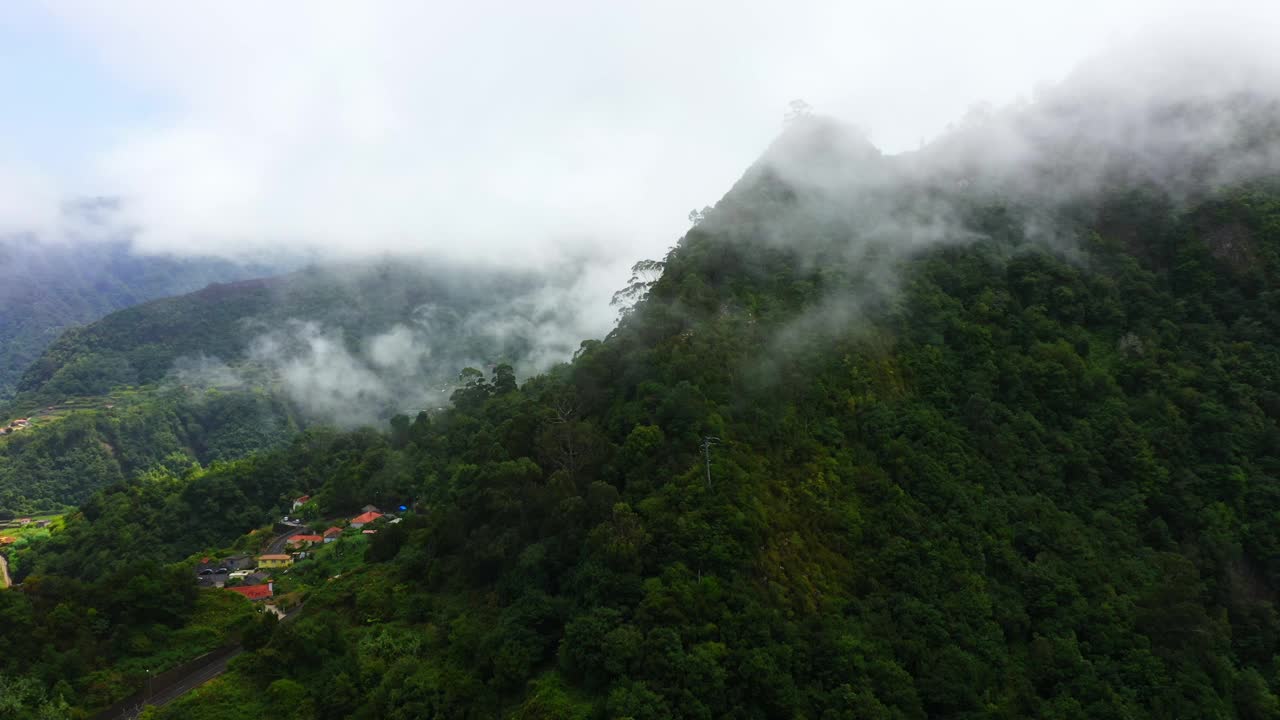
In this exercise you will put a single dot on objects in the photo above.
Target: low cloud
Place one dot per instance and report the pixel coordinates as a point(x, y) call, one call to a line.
point(1162, 116)
point(512, 135)
point(331, 382)
point(349, 370)
point(201, 372)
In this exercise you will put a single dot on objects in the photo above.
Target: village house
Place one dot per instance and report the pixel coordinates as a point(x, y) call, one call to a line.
point(301, 501)
point(299, 540)
point(239, 562)
point(8, 540)
point(360, 521)
point(275, 561)
point(254, 592)
point(370, 509)
point(332, 534)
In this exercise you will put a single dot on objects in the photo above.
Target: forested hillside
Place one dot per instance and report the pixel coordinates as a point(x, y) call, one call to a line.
point(141, 344)
point(236, 368)
point(48, 286)
point(888, 438)
point(108, 608)
point(61, 461)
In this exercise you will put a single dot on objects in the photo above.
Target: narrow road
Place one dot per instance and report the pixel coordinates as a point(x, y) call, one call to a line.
point(192, 681)
point(4, 573)
point(277, 546)
point(177, 688)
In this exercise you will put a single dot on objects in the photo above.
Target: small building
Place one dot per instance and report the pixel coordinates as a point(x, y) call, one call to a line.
point(370, 509)
point(299, 502)
point(239, 562)
point(297, 540)
point(279, 560)
point(254, 592)
point(369, 532)
point(360, 521)
point(397, 520)
point(332, 534)
point(8, 540)
point(23, 521)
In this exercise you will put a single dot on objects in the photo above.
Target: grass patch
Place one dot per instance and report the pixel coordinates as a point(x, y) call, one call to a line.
point(228, 697)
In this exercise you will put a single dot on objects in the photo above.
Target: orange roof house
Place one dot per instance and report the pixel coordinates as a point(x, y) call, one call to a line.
point(301, 539)
point(362, 520)
point(332, 534)
point(254, 592)
point(8, 540)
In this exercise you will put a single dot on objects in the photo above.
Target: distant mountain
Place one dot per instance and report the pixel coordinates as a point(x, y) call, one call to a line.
point(240, 367)
point(47, 287)
point(353, 343)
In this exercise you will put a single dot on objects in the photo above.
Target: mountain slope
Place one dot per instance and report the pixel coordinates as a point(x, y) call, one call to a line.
point(878, 443)
point(236, 368)
point(47, 287)
point(405, 321)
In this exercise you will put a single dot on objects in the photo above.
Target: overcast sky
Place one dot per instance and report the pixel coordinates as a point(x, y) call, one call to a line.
point(514, 131)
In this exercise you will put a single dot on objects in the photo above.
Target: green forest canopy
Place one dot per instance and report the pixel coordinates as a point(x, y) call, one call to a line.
point(989, 477)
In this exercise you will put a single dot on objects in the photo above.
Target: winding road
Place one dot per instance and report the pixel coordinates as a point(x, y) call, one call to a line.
point(5, 581)
point(277, 545)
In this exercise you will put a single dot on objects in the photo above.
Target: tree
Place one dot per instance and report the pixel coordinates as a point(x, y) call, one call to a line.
point(797, 110)
point(504, 379)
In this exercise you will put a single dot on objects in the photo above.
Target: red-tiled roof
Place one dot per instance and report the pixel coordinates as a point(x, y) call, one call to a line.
point(365, 518)
point(253, 592)
point(304, 538)
point(303, 499)
point(333, 531)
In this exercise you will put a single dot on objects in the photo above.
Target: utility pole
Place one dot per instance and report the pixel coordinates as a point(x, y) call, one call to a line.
point(707, 442)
